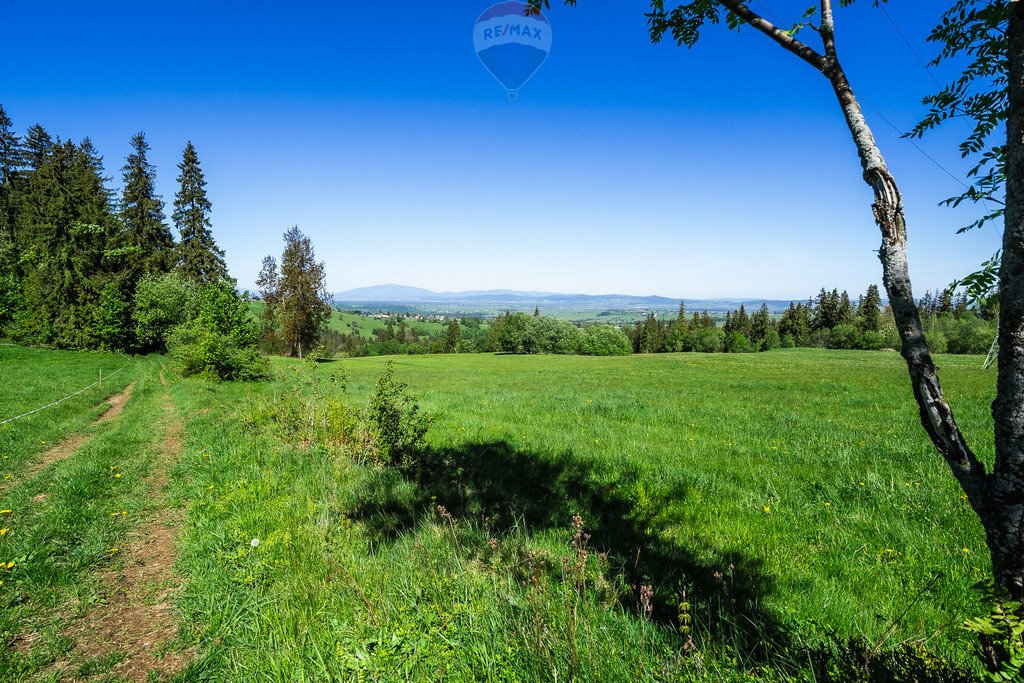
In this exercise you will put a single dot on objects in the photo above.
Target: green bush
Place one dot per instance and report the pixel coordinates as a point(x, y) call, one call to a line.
point(605, 340)
point(219, 343)
point(873, 341)
point(112, 327)
point(771, 341)
point(162, 303)
point(396, 428)
point(788, 341)
point(844, 336)
point(705, 340)
point(737, 342)
point(937, 342)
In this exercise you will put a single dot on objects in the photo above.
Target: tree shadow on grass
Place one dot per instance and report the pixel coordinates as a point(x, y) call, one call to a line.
point(506, 489)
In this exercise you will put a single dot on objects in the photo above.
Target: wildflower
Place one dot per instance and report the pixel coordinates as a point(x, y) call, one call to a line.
point(113, 550)
point(9, 565)
point(827, 504)
point(767, 509)
point(862, 483)
point(4, 532)
point(117, 476)
point(6, 512)
point(966, 551)
point(210, 487)
point(255, 543)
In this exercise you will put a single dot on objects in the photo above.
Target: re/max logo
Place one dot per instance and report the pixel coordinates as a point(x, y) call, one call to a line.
point(512, 30)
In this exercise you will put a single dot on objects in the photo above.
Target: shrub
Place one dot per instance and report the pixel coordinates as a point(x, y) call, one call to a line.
point(873, 341)
point(112, 326)
point(788, 341)
point(844, 336)
point(706, 340)
point(771, 341)
point(219, 343)
point(161, 304)
point(737, 342)
point(605, 340)
point(937, 342)
point(396, 428)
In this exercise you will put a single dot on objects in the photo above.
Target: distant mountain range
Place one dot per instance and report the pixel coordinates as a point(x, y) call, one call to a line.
point(507, 298)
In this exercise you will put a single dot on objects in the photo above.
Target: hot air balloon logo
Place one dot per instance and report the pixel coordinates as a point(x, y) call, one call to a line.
point(511, 43)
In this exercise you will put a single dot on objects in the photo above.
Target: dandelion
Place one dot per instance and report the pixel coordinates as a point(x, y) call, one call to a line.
point(117, 476)
point(767, 509)
point(4, 532)
point(6, 512)
point(255, 543)
point(966, 551)
point(9, 565)
point(113, 551)
point(827, 504)
point(862, 483)
point(210, 487)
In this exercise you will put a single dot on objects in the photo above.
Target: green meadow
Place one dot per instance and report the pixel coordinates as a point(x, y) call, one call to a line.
point(776, 516)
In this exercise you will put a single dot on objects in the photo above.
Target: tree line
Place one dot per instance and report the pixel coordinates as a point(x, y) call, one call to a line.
point(830, 320)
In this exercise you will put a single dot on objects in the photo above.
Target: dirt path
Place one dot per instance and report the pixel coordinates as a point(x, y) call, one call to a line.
point(138, 618)
point(70, 445)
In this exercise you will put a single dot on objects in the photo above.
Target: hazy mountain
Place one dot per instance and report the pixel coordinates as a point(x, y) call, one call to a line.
point(518, 300)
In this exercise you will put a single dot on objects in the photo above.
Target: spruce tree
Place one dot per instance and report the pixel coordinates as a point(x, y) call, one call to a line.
point(37, 146)
point(199, 257)
point(869, 314)
point(149, 244)
point(10, 163)
point(64, 221)
point(452, 337)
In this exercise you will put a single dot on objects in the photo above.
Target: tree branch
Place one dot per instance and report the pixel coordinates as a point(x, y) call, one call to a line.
point(766, 27)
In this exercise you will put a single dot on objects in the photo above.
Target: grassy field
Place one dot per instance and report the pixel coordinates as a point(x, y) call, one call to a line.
point(779, 504)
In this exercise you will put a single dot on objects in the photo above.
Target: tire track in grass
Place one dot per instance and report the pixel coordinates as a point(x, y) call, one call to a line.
point(138, 620)
point(71, 444)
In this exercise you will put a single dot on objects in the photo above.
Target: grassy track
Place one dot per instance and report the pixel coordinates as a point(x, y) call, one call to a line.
point(63, 528)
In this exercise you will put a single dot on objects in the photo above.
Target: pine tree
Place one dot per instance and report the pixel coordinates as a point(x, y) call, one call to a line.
point(452, 337)
point(149, 243)
point(36, 147)
point(868, 312)
point(845, 312)
point(64, 222)
point(269, 285)
point(10, 163)
point(199, 258)
point(303, 304)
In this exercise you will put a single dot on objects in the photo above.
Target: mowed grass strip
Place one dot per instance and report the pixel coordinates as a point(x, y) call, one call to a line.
point(62, 528)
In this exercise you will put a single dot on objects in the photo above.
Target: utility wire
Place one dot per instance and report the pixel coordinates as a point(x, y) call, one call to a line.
point(924, 65)
point(49, 405)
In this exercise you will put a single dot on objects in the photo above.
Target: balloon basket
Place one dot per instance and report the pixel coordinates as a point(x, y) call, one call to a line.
point(513, 95)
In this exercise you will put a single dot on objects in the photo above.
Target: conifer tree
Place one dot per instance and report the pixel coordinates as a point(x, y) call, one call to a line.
point(303, 301)
point(146, 236)
point(452, 337)
point(36, 147)
point(845, 311)
point(9, 165)
point(868, 312)
point(199, 258)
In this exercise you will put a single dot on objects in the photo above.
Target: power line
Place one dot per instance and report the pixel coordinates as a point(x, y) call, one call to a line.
point(924, 65)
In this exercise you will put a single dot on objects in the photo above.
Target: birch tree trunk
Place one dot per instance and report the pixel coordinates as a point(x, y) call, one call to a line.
point(997, 498)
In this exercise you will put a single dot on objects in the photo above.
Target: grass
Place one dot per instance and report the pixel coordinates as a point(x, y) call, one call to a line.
point(789, 499)
point(65, 524)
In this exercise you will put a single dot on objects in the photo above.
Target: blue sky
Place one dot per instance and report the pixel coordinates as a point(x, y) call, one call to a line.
point(623, 166)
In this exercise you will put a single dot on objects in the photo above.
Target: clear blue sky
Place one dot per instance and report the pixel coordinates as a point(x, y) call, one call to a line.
point(623, 167)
